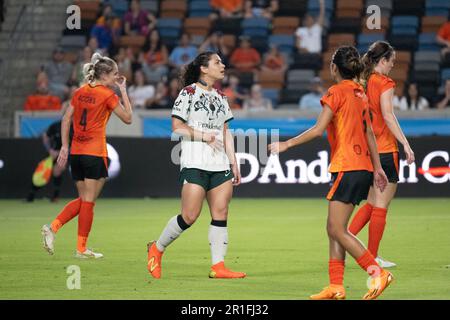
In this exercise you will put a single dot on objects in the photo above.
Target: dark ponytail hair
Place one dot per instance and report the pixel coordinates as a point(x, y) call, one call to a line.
point(192, 71)
point(377, 51)
point(348, 62)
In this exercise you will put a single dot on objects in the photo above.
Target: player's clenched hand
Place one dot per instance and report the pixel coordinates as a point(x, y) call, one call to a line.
point(213, 140)
point(380, 179)
point(62, 157)
point(122, 83)
point(278, 147)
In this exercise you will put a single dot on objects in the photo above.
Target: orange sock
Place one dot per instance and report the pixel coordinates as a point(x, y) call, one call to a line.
point(368, 263)
point(68, 213)
point(376, 229)
point(85, 219)
point(360, 219)
point(336, 271)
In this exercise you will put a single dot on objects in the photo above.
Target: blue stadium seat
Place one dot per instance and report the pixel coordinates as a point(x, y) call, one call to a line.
point(199, 8)
point(272, 94)
point(285, 43)
point(169, 27)
point(404, 25)
point(427, 42)
point(255, 27)
point(364, 39)
point(437, 8)
point(120, 7)
point(445, 74)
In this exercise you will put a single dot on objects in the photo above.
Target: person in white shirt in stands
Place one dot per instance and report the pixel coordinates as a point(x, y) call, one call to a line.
point(311, 100)
point(309, 37)
point(412, 100)
point(139, 92)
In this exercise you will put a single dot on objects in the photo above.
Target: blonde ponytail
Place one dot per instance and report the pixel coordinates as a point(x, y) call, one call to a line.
point(98, 66)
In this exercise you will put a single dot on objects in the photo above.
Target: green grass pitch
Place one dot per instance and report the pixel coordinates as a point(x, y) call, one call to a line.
point(280, 243)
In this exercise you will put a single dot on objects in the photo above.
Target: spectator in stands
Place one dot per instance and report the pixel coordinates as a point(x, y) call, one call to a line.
point(309, 37)
point(274, 60)
point(311, 100)
point(412, 99)
point(256, 101)
point(125, 60)
point(85, 57)
point(234, 93)
point(227, 8)
point(108, 11)
point(443, 37)
point(214, 42)
point(154, 58)
point(105, 35)
point(140, 93)
point(138, 21)
point(261, 8)
point(59, 73)
point(42, 100)
point(183, 53)
point(445, 102)
point(245, 58)
point(161, 99)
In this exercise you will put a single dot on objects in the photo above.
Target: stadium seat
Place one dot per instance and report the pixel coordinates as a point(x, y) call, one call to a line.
point(285, 25)
point(427, 56)
point(404, 42)
point(307, 61)
point(259, 43)
point(89, 9)
point(404, 25)
point(228, 26)
point(255, 27)
point(73, 43)
point(135, 42)
point(197, 25)
point(270, 79)
point(291, 96)
point(272, 94)
point(399, 73)
point(432, 23)
point(292, 8)
point(383, 4)
point(415, 7)
point(427, 42)
point(437, 8)
point(349, 8)
point(151, 6)
point(285, 43)
point(119, 7)
point(199, 8)
point(173, 9)
point(337, 39)
point(445, 74)
point(169, 27)
point(365, 40)
point(345, 25)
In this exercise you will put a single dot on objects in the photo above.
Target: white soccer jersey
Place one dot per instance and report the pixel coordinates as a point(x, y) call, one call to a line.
point(205, 111)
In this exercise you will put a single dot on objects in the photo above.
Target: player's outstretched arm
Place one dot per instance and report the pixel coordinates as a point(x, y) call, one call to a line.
point(317, 130)
point(389, 117)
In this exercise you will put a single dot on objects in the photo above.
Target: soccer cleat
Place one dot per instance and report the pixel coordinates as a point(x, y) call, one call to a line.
point(88, 254)
point(378, 285)
point(219, 271)
point(48, 238)
point(332, 292)
point(154, 257)
point(384, 263)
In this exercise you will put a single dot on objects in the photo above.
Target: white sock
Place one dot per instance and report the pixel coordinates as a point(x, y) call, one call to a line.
point(218, 241)
point(172, 231)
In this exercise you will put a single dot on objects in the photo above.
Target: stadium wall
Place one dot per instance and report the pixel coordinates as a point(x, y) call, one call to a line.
point(143, 167)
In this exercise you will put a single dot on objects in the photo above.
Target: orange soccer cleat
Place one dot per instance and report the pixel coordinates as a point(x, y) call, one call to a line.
point(219, 271)
point(332, 292)
point(378, 284)
point(154, 260)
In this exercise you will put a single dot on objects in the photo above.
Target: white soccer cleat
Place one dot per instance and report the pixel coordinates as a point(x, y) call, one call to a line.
point(384, 263)
point(88, 254)
point(48, 238)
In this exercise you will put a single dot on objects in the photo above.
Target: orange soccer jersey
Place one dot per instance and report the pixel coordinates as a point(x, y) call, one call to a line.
point(376, 85)
point(92, 109)
point(347, 130)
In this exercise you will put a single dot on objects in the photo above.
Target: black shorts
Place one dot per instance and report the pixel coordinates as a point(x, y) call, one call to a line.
point(88, 167)
point(350, 186)
point(206, 179)
point(390, 164)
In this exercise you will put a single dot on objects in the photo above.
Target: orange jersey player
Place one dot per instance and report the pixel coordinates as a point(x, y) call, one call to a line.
point(89, 111)
point(379, 61)
point(355, 165)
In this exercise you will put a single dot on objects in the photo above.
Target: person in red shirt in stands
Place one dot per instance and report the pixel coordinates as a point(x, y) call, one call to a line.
point(42, 100)
point(245, 58)
point(443, 37)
